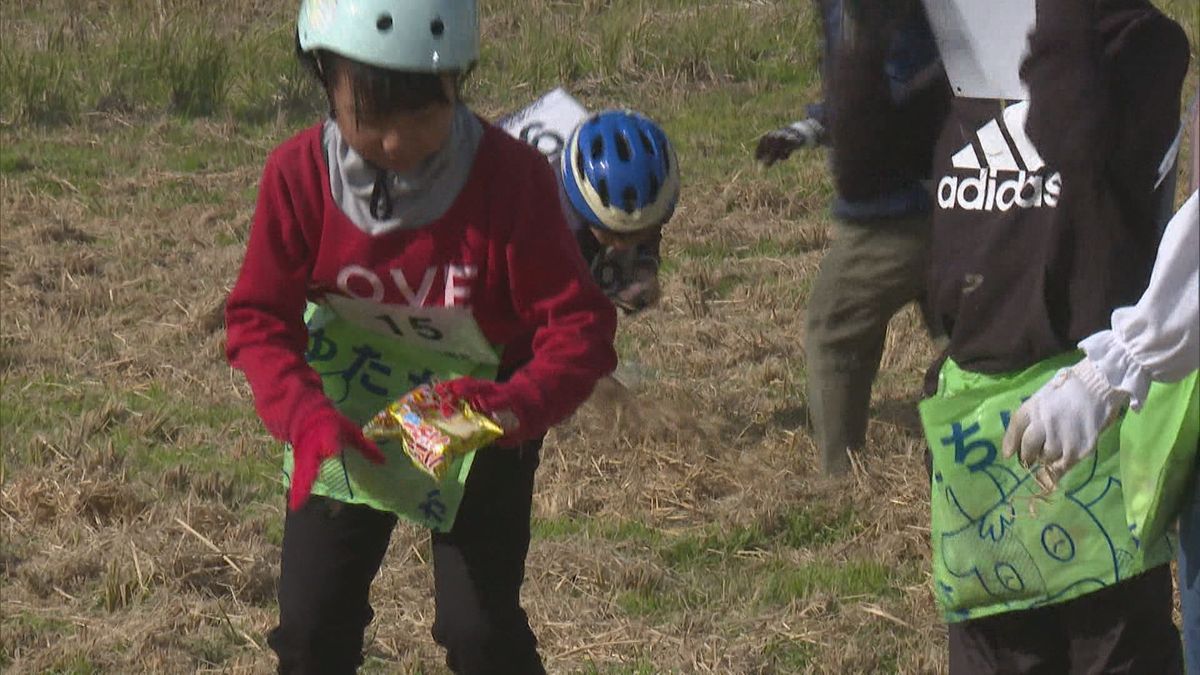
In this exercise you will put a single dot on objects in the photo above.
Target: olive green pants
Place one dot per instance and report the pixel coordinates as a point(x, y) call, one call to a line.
point(870, 272)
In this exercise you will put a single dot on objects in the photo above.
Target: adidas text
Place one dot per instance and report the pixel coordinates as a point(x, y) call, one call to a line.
point(987, 191)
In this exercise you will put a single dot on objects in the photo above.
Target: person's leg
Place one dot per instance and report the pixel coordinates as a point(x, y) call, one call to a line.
point(1125, 629)
point(1030, 642)
point(479, 567)
point(868, 274)
point(331, 554)
point(1189, 576)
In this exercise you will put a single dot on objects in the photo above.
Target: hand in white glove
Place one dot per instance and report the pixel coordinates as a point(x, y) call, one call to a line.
point(1062, 422)
point(779, 144)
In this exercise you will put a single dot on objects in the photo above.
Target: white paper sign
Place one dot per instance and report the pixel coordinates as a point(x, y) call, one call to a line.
point(446, 330)
point(982, 43)
point(547, 123)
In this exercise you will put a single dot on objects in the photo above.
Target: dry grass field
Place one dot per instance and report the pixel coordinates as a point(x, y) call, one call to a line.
point(680, 524)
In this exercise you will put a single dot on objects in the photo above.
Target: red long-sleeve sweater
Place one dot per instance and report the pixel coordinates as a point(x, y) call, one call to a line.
point(502, 252)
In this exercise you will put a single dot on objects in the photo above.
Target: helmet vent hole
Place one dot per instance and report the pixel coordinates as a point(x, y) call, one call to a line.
point(629, 196)
point(654, 185)
point(597, 148)
point(647, 143)
point(437, 27)
point(579, 171)
point(624, 150)
point(384, 23)
point(602, 189)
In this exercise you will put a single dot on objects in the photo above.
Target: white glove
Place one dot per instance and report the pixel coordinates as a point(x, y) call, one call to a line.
point(779, 144)
point(1062, 422)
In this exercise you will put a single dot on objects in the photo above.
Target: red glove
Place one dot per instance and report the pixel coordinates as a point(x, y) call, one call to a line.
point(489, 398)
point(326, 436)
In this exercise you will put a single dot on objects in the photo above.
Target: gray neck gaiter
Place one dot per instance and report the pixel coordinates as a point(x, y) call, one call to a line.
point(379, 201)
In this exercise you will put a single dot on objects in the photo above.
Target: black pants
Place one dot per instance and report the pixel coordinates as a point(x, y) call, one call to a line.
point(332, 552)
point(1126, 628)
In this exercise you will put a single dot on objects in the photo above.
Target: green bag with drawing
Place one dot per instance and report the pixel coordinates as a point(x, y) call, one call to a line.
point(1004, 542)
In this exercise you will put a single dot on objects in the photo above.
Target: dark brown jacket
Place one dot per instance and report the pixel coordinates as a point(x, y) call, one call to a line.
point(1035, 243)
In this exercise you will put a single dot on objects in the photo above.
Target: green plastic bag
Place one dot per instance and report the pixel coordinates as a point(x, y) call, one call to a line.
point(1155, 481)
point(1003, 543)
point(362, 372)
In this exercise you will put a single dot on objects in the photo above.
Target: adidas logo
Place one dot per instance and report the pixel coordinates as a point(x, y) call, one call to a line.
point(1006, 171)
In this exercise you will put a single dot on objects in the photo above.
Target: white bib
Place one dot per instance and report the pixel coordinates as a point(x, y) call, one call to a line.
point(547, 123)
point(982, 43)
point(446, 330)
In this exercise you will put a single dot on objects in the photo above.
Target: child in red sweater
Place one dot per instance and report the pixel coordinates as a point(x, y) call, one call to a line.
point(431, 246)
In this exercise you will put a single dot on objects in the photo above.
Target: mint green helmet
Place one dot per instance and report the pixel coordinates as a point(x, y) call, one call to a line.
point(424, 36)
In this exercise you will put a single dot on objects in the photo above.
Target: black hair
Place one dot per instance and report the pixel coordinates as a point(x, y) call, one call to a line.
point(377, 91)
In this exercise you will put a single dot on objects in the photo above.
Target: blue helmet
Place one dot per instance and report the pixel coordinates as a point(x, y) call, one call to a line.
point(620, 173)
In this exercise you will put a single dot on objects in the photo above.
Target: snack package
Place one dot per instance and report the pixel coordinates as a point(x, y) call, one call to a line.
point(432, 430)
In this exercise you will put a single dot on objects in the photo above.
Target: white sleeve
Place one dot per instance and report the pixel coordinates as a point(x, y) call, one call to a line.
point(1158, 339)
